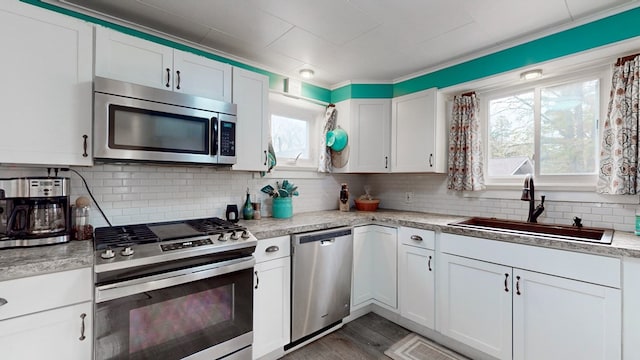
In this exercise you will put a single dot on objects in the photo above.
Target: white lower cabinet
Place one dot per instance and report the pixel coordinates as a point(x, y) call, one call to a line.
point(374, 266)
point(477, 304)
point(63, 333)
point(47, 316)
point(558, 318)
point(416, 276)
point(512, 313)
point(271, 298)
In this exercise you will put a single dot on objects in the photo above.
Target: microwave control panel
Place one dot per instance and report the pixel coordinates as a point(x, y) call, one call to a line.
point(227, 138)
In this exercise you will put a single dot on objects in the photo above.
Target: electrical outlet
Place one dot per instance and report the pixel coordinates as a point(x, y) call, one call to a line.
point(408, 197)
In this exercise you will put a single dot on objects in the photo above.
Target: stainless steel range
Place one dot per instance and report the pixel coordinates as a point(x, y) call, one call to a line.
point(174, 290)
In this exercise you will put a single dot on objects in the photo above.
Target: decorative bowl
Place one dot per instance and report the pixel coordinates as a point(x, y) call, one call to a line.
point(367, 205)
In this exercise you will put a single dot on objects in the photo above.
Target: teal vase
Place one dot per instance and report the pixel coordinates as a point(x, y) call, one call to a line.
point(247, 209)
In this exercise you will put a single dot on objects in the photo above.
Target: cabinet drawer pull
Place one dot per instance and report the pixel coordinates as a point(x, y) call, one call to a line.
point(386, 162)
point(429, 263)
point(416, 237)
point(3, 301)
point(518, 286)
point(430, 160)
point(82, 337)
point(84, 145)
point(506, 278)
point(168, 78)
point(266, 158)
point(178, 79)
point(257, 280)
point(272, 248)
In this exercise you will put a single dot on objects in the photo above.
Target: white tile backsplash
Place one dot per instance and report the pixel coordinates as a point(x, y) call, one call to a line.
point(147, 193)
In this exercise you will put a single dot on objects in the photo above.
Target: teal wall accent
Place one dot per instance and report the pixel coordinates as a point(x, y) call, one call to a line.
point(601, 32)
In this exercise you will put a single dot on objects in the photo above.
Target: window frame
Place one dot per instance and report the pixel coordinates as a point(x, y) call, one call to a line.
point(298, 109)
point(560, 182)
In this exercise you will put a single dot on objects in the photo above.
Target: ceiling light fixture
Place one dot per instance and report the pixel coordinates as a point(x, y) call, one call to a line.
point(531, 74)
point(307, 73)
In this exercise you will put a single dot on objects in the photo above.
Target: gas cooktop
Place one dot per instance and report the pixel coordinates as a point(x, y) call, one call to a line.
point(140, 244)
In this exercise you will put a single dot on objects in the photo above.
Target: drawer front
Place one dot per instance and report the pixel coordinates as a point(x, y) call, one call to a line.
point(43, 292)
point(273, 248)
point(417, 237)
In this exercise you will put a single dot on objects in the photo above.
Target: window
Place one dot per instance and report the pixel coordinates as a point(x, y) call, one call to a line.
point(549, 130)
point(295, 131)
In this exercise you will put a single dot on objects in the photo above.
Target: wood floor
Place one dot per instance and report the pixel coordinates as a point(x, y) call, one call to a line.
point(365, 338)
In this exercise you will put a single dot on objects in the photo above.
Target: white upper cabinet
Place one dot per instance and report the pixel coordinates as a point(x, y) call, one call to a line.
point(367, 122)
point(127, 58)
point(418, 134)
point(45, 100)
point(251, 95)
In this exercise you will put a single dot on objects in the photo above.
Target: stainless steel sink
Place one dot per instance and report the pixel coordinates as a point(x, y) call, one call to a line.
point(562, 232)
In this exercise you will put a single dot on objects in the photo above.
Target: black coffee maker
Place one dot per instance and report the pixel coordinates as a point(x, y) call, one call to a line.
point(34, 211)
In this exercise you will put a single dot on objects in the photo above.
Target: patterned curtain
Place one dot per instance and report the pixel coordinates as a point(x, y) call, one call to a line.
point(465, 146)
point(330, 120)
point(619, 156)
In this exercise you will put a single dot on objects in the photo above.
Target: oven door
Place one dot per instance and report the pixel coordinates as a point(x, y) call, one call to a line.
point(201, 312)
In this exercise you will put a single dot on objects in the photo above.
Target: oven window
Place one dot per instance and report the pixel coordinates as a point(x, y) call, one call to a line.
point(175, 322)
point(139, 129)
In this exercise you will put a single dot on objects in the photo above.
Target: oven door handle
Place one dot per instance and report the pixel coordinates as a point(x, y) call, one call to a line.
point(137, 286)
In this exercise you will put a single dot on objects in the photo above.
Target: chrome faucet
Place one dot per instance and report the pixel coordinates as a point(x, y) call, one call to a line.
point(529, 194)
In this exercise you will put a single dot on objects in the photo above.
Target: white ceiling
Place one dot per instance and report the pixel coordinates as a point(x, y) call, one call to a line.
point(356, 40)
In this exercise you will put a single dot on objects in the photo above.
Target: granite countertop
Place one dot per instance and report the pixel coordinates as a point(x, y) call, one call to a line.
point(21, 262)
point(624, 243)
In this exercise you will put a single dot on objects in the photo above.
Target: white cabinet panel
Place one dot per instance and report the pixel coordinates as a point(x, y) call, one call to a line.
point(418, 134)
point(416, 279)
point(374, 266)
point(556, 319)
point(128, 58)
point(251, 95)
point(475, 304)
point(61, 334)
point(272, 298)
point(367, 122)
point(45, 100)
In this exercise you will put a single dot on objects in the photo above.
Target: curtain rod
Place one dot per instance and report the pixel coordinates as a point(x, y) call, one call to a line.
point(625, 59)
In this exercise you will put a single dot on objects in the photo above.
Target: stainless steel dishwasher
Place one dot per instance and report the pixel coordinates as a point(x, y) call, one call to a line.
point(321, 280)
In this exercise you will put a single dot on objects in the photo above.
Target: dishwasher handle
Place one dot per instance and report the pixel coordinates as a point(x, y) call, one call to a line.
point(322, 236)
point(327, 242)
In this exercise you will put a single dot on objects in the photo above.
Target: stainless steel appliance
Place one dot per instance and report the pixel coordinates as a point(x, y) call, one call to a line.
point(321, 281)
point(34, 211)
point(138, 123)
point(174, 290)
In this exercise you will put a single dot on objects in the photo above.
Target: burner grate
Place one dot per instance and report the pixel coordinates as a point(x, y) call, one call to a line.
point(117, 236)
point(213, 225)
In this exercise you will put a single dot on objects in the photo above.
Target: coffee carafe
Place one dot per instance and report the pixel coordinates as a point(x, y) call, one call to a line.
point(34, 211)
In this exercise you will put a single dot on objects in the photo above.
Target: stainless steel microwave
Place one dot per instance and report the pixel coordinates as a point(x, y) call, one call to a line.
point(134, 123)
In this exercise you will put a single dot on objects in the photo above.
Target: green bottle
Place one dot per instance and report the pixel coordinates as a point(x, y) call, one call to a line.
point(247, 209)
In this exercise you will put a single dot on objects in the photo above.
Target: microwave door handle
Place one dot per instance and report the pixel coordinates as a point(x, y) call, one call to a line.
point(214, 136)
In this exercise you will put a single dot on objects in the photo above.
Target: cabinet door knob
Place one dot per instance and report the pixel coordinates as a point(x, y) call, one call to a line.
point(85, 145)
point(518, 286)
point(416, 237)
point(429, 263)
point(82, 337)
point(506, 278)
point(3, 301)
point(178, 79)
point(272, 248)
point(168, 78)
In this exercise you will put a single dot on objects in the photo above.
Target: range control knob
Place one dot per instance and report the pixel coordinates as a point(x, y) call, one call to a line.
point(108, 254)
point(127, 251)
point(245, 234)
point(235, 235)
point(223, 237)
